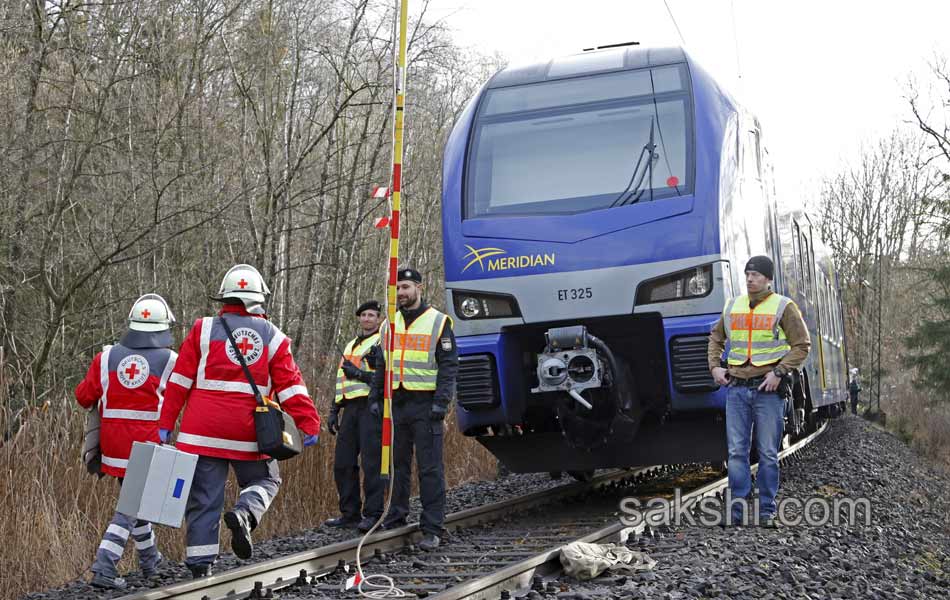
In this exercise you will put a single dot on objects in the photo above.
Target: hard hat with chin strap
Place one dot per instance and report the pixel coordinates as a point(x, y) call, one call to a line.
point(150, 313)
point(245, 283)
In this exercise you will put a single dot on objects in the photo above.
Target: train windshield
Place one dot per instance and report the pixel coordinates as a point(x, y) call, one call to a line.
point(580, 144)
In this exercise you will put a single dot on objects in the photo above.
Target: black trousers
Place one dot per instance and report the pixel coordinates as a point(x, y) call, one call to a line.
point(359, 442)
point(854, 404)
point(413, 429)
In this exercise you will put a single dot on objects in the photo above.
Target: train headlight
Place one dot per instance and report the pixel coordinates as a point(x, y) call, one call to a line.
point(470, 307)
point(691, 283)
point(484, 305)
point(698, 284)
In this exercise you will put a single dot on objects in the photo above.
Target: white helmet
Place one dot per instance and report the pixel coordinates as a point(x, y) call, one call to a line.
point(150, 313)
point(245, 283)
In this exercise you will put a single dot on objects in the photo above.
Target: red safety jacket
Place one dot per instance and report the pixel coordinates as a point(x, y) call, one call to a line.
point(219, 404)
point(129, 384)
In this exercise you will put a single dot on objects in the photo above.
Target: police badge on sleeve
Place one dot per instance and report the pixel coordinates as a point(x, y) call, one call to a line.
point(447, 344)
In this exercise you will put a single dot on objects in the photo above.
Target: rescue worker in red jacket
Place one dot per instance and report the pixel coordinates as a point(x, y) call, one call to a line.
point(218, 420)
point(128, 381)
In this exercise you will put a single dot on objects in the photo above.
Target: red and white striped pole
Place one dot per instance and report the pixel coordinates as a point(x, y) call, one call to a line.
point(398, 125)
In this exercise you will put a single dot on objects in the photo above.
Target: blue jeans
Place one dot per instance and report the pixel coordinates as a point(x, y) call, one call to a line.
point(745, 406)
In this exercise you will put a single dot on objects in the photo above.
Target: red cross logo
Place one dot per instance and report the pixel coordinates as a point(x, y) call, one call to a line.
point(132, 371)
point(242, 284)
point(145, 314)
point(244, 346)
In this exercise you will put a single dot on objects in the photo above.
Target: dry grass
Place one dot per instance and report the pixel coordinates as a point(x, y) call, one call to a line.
point(912, 415)
point(54, 513)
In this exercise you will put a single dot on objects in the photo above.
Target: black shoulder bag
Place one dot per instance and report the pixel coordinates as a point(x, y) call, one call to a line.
point(277, 434)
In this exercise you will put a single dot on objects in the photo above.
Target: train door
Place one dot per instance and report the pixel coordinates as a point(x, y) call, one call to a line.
point(808, 304)
point(772, 237)
point(824, 330)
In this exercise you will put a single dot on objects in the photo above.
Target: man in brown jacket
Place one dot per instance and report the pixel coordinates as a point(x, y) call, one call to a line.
point(767, 340)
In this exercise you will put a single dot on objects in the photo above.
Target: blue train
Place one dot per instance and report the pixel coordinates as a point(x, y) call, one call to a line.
point(597, 212)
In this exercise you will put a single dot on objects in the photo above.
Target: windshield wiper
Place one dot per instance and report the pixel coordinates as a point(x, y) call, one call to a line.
point(636, 191)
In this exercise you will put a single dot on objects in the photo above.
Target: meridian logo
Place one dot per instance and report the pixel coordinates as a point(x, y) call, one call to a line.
point(481, 256)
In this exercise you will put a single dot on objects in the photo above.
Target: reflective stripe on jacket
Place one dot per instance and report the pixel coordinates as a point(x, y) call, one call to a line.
point(349, 389)
point(754, 334)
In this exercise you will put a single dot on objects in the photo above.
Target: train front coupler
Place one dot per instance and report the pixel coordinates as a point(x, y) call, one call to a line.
point(569, 364)
point(579, 372)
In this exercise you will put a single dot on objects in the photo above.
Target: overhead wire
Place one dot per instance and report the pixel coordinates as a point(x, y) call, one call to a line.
point(675, 24)
point(735, 38)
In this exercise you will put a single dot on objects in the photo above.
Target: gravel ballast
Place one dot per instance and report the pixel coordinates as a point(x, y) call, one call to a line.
point(461, 497)
point(903, 553)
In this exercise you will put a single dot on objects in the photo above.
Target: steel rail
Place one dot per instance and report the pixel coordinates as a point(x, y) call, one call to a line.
point(519, 576)
point(285, 570)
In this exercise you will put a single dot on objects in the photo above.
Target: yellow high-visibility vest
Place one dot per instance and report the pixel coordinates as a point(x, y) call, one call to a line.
point(754, 334)
point(414, 363)
point(348, 389)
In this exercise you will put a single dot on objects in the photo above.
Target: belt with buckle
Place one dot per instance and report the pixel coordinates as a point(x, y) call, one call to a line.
point(751, 382)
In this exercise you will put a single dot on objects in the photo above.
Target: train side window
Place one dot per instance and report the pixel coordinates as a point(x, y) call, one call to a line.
point(839, 326)
point(757, 140)
point(751, 155)
point(809, 261)
point(804, 256)
point(825, 304)
point(797, 245)
point(825, 310)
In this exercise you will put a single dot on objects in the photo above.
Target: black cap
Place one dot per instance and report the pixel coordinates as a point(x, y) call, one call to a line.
point(761, 264)
point(369, 305)
point(407, 274)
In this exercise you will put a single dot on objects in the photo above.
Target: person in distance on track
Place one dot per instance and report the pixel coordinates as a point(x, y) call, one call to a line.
point(853, 388)
point(767, 340)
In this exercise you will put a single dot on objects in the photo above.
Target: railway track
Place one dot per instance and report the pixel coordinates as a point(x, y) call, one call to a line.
point(321, 562)
point(495, 551)
point(531, 573)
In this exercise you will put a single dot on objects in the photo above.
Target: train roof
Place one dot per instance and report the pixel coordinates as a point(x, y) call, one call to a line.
point(587, 63)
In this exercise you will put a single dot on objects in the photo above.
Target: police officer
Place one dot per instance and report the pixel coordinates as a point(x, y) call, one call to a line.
point(425, 366)
point(218, 421)
point(127, 380)
point(360, 430)
point(767, 340)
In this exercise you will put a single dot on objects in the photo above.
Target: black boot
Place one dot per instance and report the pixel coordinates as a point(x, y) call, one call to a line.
point(109, 583)
point(341, 522)
point(199, 571)
point(240, 526)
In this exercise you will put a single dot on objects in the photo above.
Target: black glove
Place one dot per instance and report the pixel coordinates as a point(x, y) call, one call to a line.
point(333, 424)
point(351, 371)
point(375, 409)
point(376, 357)
point(437, 413)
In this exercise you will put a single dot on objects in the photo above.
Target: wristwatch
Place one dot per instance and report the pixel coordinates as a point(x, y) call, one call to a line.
point(777, 372)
